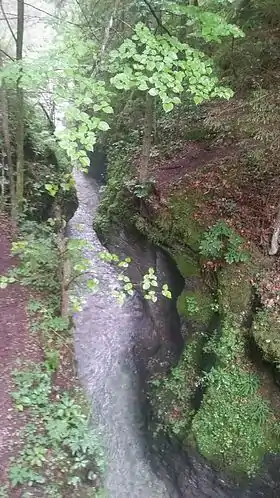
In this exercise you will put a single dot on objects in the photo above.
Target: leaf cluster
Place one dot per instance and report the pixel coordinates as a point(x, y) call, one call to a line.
point(163, 66)
point(59, 434)
point(222, 242)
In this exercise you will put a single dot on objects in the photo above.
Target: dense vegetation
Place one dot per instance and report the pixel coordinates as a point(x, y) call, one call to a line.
point(183, 97)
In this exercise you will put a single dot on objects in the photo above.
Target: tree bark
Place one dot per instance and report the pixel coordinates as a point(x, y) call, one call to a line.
point(7, 144)
point(147, 139)
point(274, 245)
point(20, 109)
point(64, 263)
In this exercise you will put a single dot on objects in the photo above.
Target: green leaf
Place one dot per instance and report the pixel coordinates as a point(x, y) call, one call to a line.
point(143, 86)
point(108, 110)
point(103, 126)
point(166, 293)
point(153, 92)
point(168, 106)
point(51, 188)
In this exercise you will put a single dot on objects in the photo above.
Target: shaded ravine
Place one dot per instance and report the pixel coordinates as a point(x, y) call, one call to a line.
point(103, 345)
point(108, 340)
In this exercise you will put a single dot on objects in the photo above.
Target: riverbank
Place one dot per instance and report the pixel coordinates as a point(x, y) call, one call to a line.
point(16, 343)
point(48, 449)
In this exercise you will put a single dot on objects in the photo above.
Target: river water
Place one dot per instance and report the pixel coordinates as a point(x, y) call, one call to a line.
point(103, 344)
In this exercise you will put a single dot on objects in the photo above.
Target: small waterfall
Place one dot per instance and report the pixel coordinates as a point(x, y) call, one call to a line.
point(103, 345)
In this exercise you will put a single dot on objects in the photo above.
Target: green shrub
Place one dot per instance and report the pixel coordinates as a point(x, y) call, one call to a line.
point(39, 260)
point(58, 435)
point(222, 242)
point(232, 427)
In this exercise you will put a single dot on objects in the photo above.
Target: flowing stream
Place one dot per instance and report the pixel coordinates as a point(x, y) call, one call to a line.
point(103, 343)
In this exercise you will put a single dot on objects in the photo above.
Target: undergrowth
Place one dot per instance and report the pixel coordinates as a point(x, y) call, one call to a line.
point(60, 451)
point(59, 446)
point(172, 396)
point(197, 305)
point(235, 426)
point(222, 242)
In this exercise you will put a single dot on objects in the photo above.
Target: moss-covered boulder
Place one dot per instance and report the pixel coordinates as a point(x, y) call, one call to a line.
point(172, 396)
point(235, 290)
point(266, 332)
point(185, 227)
point(235, 426)
point(188, 265)
point(196, 305)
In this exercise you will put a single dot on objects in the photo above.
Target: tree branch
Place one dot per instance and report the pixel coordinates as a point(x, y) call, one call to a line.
point(47, 116)
point(108, 28)
point(7, 21)
point(87, 20)
point(154, 14)
point(49, 14)
point(75, 277)
point(7, 55)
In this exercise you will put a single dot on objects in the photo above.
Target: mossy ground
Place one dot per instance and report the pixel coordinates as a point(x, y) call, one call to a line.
point(235, 289)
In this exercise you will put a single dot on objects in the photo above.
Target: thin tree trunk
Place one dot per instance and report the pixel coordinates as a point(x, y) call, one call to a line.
point(65, 273)
point(108, 29)
point(64, 262)
point(147, 139)
point(7, 144)
point(274, 245)
point(20, 108)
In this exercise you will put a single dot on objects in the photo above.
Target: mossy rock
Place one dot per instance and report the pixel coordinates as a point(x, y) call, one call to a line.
point(116, 205)
point(176, 224)
point(235, 290)
point(187, 265)
point(172, 395)
point(266, 332)
point(185, 228)
point(235, 426)
point(155, 232)
point(196, 305)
